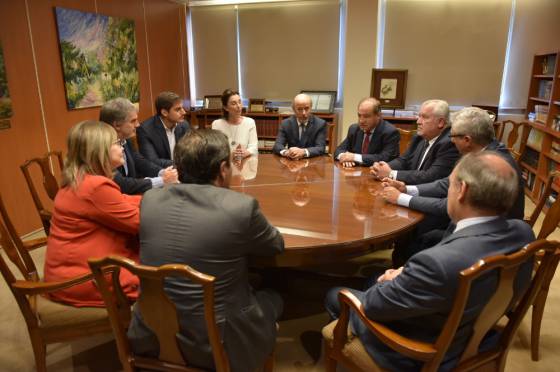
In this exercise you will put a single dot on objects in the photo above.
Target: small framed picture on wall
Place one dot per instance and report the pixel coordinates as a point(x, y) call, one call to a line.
point(389, 87)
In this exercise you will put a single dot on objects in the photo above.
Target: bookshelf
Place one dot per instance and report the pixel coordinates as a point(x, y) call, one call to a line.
point(267, 124)
point(541, 154)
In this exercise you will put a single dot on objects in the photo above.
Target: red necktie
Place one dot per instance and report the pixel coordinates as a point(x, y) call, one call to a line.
point(365, 144)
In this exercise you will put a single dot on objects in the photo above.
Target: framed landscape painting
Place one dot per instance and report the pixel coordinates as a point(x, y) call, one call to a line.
point(98, 57)
point(5, 100)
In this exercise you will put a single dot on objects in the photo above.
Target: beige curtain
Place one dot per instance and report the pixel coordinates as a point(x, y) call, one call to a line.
point(215, 49)
point(453, 50)
point(287, 47)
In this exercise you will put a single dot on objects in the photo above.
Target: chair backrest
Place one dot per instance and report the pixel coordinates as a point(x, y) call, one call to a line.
point(513, 134)
point(330, 138)
point(552, 216)
point(13, 246)
point(158, 311)
point(498, 305)
point(406, 136)
point(50, 183)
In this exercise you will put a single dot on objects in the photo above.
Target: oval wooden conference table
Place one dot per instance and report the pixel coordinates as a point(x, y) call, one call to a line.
point(326, 213)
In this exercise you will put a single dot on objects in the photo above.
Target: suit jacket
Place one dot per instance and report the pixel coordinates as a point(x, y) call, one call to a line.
point(93, 220)
point(214, 230)
point(153, 142)
point(138, 167)
point(438, 163)
point(383, 146)
point(418, 301)
point(313, 139)
point(432, 197)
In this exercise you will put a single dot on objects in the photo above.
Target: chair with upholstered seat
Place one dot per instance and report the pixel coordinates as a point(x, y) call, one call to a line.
point(47, 321)
point(550, 222)
point(341, 346)
point(50, 183)
point(406, 136)
point(159, 313)
point(514, 131)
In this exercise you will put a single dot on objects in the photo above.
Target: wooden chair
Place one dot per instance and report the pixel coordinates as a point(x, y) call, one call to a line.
point(50, 183)
point(159, 313)
point(406, 136)
point(550, 222)
point(330, 138)
point(47, 321)
point(347, 349)
point(513, 135)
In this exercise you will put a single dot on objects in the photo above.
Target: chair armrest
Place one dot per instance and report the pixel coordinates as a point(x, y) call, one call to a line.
point(32, 244)
point(414, 349)
point(34, 288)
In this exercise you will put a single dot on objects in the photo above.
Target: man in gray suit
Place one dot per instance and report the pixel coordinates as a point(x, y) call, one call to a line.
point(472, 130)
point(302, 135)
point(202, 223)
point(415, 300)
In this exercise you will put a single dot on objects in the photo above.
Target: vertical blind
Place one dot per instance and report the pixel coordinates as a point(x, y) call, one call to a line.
point(453, 50)
point(215, 49)
point(283, 48)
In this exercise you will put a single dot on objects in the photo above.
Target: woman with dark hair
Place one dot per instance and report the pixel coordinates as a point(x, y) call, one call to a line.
point(91, 217)
point(240, 130)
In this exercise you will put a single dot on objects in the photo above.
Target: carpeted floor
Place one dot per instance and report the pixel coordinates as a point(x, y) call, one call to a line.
point(298, 343)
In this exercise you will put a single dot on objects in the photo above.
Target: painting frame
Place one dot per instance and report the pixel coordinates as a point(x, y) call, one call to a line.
point(389, 87)
point(322, 100)
point(212, 102)
point(99, 57)
point(257, 105)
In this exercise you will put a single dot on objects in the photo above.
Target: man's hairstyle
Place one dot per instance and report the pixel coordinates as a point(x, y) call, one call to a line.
point(440, 109)
point(166, 100)
point(225, 98)
point(115, 111)
point(376, 104)
point(490, 186)
point(476, 123)
point(89, 143)
point(199, 154)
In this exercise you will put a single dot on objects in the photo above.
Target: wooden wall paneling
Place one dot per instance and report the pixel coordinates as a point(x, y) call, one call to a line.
point(26, 137)
point(166, 41)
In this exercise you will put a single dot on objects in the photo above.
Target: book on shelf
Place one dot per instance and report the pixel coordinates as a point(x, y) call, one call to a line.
point(548, 64)
point(545, 88)
point(268, 144)
point(553, 166)
point(530, 182)
point(535, 139)
point(556, 123)
point(541, 112)
point(555, 148)
point(530, 157)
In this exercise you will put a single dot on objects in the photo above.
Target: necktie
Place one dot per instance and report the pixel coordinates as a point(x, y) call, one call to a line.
point(422, 154)
point(365, 144)
point(301, 130)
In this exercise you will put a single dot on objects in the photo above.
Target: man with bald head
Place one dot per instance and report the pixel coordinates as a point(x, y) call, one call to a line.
point(370, 140)
point(415, 300)
point(302, 135)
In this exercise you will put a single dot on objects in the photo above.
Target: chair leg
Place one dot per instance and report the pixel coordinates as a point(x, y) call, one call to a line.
point(536, 320)
point(40, 351)
point(269, 363)
point(330, 363)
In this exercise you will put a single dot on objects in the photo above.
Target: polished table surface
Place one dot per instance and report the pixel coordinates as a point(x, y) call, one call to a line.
point(325, 212)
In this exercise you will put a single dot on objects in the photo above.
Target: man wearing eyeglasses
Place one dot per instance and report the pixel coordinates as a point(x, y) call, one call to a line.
point(472, 131)
point(138, 174)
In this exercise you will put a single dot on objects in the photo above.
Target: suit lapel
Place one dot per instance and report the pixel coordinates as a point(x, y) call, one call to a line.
point(129, 161)
point(376, 137)
point(478, 229)
point(359, 138)
point(160, 132)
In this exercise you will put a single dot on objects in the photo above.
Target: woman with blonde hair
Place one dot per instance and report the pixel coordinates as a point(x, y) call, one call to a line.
point(91, 217)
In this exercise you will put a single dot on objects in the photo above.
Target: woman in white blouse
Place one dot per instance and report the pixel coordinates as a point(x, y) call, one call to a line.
point(240, 130)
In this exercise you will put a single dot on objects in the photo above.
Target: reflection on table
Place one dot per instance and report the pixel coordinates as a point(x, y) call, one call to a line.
point(324, 212)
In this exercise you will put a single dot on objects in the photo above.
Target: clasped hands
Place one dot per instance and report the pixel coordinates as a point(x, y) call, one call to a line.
point(240, 153)
point(347, 159)
point(295, 153)
point(169, 175)
point(389, 275)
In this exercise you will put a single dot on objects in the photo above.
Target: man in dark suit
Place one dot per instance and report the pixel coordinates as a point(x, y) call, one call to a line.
point(158, 135)
point(430, 156)
point(122, 115)
point(472, 131)
point(370, 140)
point(415, 300)
point(204, 224)
point(302, 135)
